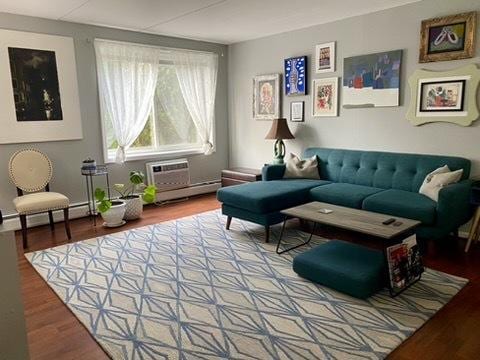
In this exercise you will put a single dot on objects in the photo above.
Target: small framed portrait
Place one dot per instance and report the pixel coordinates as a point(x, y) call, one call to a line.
point(297, 111)
point(442, 95)
point(448, 38)
point(325, 97)
point(325, 58)
point(266, 97)
point(296, 76)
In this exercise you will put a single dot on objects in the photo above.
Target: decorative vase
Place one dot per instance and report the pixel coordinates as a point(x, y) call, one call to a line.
point(133, 207)
point(114, 216)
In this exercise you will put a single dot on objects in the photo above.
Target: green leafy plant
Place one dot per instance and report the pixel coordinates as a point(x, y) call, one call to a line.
point(137, 178)
point(103, 203)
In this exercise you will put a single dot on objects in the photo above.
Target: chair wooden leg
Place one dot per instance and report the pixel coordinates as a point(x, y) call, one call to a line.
point(23, 222)
point(50, 218)
point(67, 223)
point(267, 233)
point(473, 229)
point(229, 221)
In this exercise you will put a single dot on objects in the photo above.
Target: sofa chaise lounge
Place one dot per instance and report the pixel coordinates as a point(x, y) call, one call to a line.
point(375, 181)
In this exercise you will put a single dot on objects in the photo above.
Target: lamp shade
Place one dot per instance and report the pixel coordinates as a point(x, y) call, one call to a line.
point(279, 130)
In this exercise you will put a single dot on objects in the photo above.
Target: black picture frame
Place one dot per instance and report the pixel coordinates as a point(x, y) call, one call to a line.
point(462, 100)
point(302, 103)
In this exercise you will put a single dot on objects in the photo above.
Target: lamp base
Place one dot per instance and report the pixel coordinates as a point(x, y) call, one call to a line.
point(278, 161)
point(278, 152)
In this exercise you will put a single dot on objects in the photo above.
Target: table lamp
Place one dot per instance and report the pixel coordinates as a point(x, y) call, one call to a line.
point(279, 131)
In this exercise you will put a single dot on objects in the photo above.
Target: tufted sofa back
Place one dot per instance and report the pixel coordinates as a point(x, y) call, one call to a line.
point(382, 169)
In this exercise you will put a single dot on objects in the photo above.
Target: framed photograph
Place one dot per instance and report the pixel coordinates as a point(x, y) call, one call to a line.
point(448, 38)
point(296, 111)
point(325, 58)
point(295, 76)
point(325, 97)
point(266, 97)
point(372, 80)
point(447, 96)
point(38, 78)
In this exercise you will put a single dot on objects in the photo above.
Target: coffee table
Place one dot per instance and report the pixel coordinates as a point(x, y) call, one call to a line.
point(356, 220)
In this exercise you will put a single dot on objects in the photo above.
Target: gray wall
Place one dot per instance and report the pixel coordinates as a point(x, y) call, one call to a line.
point(372, 129)
point(68, 155)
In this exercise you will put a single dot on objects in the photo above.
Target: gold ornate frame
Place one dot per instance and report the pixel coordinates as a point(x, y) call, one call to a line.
point(469, 18)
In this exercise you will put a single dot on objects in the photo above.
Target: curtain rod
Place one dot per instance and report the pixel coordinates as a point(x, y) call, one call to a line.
point(164, 48)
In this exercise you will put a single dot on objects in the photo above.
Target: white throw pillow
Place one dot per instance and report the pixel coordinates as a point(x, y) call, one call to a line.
point(438, 179)
point(301, 169)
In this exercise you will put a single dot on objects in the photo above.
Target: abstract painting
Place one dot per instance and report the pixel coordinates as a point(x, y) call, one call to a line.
point(266, 97)
point(442, 95)
point(38, 83)
point(325, 97)
point(296, 76)
point(372, 80)
point(35, 84)
point(325, 57)
point(448, 38)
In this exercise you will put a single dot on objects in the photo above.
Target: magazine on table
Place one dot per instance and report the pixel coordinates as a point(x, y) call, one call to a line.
point(404, 263)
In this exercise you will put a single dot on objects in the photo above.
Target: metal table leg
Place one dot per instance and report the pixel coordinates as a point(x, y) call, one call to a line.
point(296, 246)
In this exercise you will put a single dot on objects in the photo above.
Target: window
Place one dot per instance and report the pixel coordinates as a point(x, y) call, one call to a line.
point(169, 128)
point(144, 92)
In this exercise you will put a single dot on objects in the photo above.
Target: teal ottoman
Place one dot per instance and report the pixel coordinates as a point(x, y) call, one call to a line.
point(352, 269)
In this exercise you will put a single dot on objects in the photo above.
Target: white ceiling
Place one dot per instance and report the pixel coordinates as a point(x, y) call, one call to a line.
point(221, 21)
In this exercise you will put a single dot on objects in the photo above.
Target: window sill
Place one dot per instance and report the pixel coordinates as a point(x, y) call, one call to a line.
point(162, 155)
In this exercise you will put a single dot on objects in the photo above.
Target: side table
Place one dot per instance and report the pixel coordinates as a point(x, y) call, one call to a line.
point(475, 229)
point(240, 175)
point(101, 170)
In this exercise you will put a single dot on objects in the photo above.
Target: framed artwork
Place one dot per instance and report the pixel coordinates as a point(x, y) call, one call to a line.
point(325, 58)
point(296, 76)
point(325, 97)
point(266, 97)
point(296, 111)
point(448, 38)
point(38, 78)
point(372, 80)
point(448, 96)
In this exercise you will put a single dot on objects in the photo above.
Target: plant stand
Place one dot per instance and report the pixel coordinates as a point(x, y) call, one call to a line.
point(101, 170)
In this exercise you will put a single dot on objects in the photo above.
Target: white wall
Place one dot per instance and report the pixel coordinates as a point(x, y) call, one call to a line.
point(371, 128)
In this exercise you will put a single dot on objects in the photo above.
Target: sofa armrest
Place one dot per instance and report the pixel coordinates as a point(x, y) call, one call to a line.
point(273, 172)
point(454, 208)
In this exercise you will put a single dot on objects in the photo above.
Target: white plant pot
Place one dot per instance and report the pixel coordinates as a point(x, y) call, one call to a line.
point(114, 216)
point(133, 208)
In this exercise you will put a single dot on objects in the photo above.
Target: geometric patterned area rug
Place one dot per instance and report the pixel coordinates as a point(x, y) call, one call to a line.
point(189, 289)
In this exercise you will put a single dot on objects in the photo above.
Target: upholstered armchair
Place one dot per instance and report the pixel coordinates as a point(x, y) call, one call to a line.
point(31, 171)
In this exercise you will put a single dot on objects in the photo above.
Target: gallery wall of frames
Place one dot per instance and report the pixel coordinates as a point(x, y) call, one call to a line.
point(373, 80)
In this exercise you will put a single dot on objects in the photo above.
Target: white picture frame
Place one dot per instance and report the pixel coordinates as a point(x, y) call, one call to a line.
point(297, 111)
point(266, 97)
point(325, 58)
point(325, 97)
point(68, 126)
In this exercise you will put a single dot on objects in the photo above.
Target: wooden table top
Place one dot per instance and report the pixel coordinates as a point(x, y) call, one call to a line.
point(365, 222)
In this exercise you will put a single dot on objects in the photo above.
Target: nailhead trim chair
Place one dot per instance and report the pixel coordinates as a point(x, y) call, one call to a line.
point(30, 171)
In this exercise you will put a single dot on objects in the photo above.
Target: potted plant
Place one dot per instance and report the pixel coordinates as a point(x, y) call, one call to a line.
point(135, 195)
point(112, 211)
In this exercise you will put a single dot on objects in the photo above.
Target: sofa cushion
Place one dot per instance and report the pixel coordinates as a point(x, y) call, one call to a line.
point(268, 196)
point(404, 204)
point(342, 194)
point(353, 269)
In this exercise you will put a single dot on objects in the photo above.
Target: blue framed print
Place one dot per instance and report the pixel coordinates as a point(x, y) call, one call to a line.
point(296, 76)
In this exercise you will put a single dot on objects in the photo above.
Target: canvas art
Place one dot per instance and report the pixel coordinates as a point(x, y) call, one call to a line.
point(325, 97)
point(372, 80)
point(296, 111)
point(448, 38)
point(35, 84)
point(325, 58)
point(38, 81)
point(296, 76)
point(266, 97)
point(442, 95)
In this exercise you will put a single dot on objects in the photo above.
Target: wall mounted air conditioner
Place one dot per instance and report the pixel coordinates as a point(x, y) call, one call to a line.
point(168, 175)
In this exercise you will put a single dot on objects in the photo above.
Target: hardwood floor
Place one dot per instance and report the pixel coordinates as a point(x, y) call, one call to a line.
point(55, 333)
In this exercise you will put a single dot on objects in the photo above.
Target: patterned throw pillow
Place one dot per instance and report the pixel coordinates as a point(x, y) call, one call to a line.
point(438, 179)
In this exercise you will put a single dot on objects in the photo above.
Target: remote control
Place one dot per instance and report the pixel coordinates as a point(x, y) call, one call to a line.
point(388, 221)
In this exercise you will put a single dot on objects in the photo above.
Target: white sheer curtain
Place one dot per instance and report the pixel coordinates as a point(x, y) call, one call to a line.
point(127, 77)
point(197, 75)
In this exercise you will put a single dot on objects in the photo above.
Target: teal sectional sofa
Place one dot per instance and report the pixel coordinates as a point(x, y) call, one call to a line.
point(376, 181)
